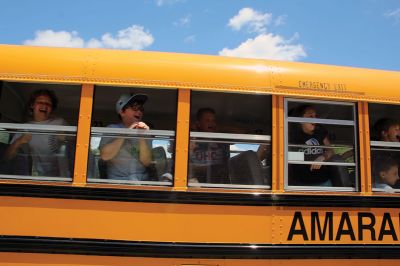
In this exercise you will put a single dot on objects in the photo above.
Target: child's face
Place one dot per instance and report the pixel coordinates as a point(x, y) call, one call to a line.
point(390, 176)
point(207, 122)
point(393, 134)
point(309, 128)
point(42, 108)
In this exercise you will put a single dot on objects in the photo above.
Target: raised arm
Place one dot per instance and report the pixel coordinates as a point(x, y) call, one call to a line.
point(12, 150)
point(111, 149)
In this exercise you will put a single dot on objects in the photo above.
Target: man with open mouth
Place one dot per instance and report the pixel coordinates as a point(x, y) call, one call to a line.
point(128, 158)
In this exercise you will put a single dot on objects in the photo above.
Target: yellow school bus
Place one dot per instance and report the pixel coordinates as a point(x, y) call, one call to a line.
point(295, 162)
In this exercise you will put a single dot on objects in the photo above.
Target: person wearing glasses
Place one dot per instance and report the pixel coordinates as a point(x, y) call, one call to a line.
point(42, 148)
point(127, 158)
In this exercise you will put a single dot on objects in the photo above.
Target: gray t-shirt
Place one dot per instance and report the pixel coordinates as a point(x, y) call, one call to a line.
point(125, 165)
point(44, 149)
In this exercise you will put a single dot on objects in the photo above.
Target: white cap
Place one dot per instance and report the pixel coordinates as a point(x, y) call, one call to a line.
point(124, 99)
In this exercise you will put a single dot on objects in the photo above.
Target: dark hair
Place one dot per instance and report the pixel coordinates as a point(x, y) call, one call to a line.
point(383, 124)
point(382, 162)
point(44, 92)
point(202, 111)
point(300, 110)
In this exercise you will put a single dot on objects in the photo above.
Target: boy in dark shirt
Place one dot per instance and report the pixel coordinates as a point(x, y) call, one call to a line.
point(314, 136)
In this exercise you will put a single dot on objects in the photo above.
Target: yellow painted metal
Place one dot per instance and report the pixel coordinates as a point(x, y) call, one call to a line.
point(278, 143)
point(83, 135)
point(194, 223)
point(137, 68)
point(367, 151)
point(335, 82)
point(134, 221)
point(156, 69)
point(361, 138)
point(364, 149)
point(182, 140)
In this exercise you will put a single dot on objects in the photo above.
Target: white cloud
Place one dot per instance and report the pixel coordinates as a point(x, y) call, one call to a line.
point(134, 37)
point(183, 21)
point(56, 38)
point(250, 19)
point(395, 14)
point(280, 20)
point(267, 46)
point(168, 2)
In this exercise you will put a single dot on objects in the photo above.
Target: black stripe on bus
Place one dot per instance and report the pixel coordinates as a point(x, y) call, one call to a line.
point(194, 250)
point(238, 199)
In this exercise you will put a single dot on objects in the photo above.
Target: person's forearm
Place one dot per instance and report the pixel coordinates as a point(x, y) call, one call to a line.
point(144, 153)
point(262, 152)
point(11, 152)
point(328, 154)
point(110, 150)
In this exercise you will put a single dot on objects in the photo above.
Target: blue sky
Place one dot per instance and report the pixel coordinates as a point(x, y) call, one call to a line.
point(360, 33)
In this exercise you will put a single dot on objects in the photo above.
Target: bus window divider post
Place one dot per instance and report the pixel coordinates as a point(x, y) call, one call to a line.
point(83, 135)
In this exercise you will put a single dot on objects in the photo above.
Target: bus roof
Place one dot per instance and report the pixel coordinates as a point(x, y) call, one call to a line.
point(205, 72)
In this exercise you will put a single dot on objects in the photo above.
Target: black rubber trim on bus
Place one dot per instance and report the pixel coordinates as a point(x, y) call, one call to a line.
point(194, 250)
point(235, 199)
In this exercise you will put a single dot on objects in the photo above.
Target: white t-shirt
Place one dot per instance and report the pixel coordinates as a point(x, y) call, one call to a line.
point(44, 148)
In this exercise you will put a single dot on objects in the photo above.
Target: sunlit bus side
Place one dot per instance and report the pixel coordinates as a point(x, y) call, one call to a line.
point(114, 157)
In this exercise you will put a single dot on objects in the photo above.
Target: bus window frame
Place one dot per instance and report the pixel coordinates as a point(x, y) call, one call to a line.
point(127, 133)
point(384, 144)
point(38, 129)
point(35, 129)
point(353, 123)
point(219, 137)
point(228, 138)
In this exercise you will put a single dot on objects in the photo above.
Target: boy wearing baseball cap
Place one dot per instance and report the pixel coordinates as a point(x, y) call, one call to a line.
point(127, 158)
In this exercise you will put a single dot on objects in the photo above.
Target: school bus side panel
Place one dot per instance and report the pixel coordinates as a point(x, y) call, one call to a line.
point(323, 81)
point(134, 221)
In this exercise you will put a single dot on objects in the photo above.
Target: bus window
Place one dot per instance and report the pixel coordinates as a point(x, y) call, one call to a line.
point(320, 145)
point(38, 130)
point(132, 136)
point(385, 146)
point(230, 140)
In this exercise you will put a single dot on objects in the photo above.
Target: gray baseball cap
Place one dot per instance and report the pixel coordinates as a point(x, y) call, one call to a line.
point(124, 99)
